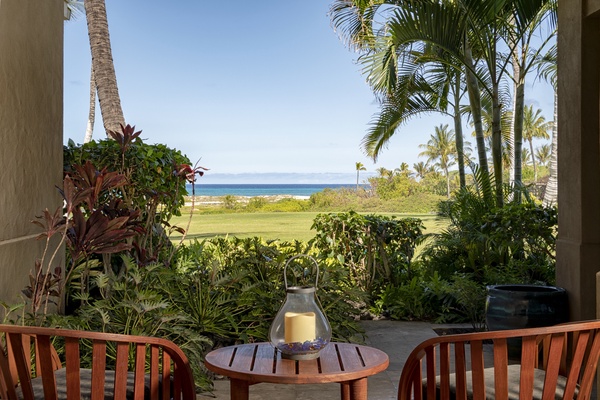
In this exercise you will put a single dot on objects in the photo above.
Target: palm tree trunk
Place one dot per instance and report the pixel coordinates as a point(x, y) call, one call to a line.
point(533, 160)
point(89, 131)
point(550, 194)
point(458, 134)
point(497, 144)
point(447, 183)
point(518, 127)
point(102, 63)
point(475, 102)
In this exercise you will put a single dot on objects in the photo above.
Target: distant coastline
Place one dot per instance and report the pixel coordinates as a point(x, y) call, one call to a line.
point(254, 190)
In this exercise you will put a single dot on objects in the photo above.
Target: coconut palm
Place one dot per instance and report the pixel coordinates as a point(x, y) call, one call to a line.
point(384, 172)
point(547, 71)
point(534, 127)
point(359, 167)
point(103, 66)
point(403, 169)
point(441, 150)
point(421, 169)
point(543, 154)
point(468, 32)
point(524, 57)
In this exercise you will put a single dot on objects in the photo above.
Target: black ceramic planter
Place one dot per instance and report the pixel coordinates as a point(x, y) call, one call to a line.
point(525, 306)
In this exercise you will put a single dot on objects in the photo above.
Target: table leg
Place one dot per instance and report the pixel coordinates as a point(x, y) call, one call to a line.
point(345, 390)
point(239, 389)
point(358, 389)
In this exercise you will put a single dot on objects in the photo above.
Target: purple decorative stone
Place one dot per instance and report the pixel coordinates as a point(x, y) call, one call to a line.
point(298, 348)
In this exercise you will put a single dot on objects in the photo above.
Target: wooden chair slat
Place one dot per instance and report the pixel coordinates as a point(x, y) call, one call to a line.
point(460, 366)
point(555, 355)
point(444, 370)
point(121, 371)
point(98, 368)
point(431, 372)
point(154, 362)
point(587, 379)
point(72, 358)
point(21, 363)
point(580, 346)
point(43, 350)
point(166, 373)
point(7, 383)
point(529, 356)
point(477, 367)
point(140, 371)
point(501, 369)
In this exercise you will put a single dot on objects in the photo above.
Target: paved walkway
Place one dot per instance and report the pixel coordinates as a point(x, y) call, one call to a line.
point(396, 338)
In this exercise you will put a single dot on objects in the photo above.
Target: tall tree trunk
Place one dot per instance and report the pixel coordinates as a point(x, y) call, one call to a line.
point(533, 161)
point(447, 183)
point(550, 194)
point(89, 131)
point(475, 102)
point(497, 144)
point(518, 127)
point(102, 64)
point(458, 133)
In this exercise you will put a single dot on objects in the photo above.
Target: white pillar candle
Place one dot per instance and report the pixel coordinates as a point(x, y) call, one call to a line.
point(300, 327)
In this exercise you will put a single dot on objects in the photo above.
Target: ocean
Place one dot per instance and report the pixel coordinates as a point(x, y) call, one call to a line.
point(253, 190)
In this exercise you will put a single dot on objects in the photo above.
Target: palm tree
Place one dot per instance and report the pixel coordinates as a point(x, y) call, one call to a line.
point(441, 150)
point(534, 127)
point(547, 71)
point(103, 66)
point(466, 32)
point(543, 154)
point(403, 170)
point(384, 172)
point(421, 169)
point(359, 167)
point(526, 24)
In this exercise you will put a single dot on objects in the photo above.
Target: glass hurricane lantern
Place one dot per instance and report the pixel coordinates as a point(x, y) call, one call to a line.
point(300, 329)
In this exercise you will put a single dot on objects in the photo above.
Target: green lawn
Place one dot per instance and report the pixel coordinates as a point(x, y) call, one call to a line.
point(276, 225)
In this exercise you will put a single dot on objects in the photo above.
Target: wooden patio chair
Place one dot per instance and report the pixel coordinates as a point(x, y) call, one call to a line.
point(31, 369)
point(557, 362)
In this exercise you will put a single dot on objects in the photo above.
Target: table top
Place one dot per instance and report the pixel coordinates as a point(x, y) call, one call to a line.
point(259, 362)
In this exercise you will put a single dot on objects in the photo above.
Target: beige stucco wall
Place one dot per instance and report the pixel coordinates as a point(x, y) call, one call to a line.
point(31, 108)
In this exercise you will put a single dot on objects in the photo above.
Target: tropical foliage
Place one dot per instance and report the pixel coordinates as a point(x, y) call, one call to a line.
point(420, 57)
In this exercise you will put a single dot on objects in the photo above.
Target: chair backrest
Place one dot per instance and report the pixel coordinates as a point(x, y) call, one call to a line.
point(555, 362)
point(30, 367)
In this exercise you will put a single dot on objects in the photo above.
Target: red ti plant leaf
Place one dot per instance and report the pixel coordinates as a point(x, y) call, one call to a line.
point(87, 184)
point(188, 172)
point(125, 137)
point(99, 234)
point(52, 223)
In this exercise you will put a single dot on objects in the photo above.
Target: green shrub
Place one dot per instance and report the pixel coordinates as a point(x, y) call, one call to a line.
point(376, 250)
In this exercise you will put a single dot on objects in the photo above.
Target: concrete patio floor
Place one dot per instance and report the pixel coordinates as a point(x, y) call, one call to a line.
point(396, 338)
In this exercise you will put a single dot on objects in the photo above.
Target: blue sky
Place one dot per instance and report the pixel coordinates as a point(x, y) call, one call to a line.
point(247, 88)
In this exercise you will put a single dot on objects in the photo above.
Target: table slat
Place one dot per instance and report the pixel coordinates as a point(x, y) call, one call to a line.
point(263, 362)
point(330, 363)
point(242, 359)
point(351, 359)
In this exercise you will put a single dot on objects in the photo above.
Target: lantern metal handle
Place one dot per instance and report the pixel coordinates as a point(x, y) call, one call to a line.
point(293, 258)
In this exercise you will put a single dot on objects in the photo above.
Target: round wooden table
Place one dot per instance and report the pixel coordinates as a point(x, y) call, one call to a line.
point(344, 363)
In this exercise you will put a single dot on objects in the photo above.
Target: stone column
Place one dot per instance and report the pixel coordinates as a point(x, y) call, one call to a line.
point(31, 108)
point(578, 245)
